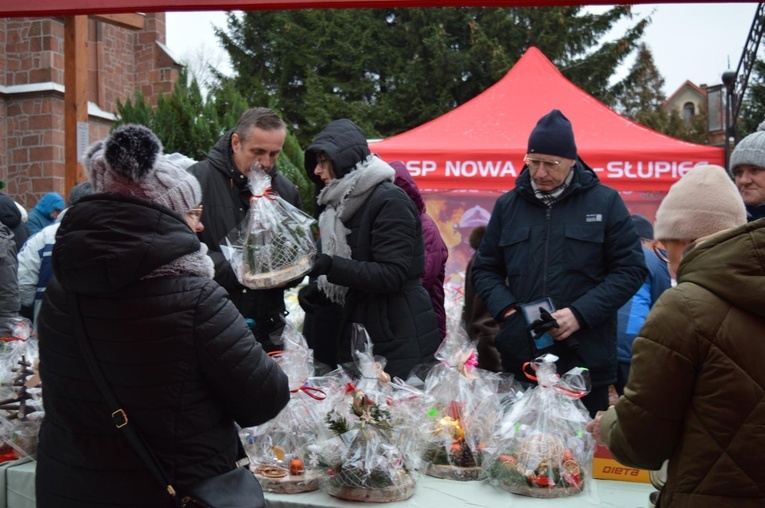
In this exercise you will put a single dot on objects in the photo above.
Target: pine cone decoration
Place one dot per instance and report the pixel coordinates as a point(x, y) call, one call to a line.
point(462, 455)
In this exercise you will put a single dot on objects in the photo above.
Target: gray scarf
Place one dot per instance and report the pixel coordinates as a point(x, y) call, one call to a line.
point(342, 198)
point(197, 263)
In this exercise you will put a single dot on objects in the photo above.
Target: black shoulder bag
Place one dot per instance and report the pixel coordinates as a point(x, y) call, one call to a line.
point(237, 488)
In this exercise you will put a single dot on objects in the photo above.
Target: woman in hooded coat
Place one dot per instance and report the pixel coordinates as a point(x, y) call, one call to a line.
point(373, 256)
point(45, 212)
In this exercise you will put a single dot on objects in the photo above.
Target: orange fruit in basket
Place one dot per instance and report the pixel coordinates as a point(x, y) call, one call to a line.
point(296, 467)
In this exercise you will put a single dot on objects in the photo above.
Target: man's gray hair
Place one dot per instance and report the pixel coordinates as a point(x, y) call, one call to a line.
point(262, 118)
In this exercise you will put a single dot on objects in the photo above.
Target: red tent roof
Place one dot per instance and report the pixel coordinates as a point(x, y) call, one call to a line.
point(481, 144)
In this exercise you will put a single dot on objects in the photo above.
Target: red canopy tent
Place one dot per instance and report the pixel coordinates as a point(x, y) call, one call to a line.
point(463, 160)
point(481, 144)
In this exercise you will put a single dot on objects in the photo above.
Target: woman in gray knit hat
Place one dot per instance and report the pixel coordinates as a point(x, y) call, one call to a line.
point(695, 395)
point(177, 354)
point(747, 163)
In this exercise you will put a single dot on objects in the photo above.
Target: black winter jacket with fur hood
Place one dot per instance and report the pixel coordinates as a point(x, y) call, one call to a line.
point(176, 352)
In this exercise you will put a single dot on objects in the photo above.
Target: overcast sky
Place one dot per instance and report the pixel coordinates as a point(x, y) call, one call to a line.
point(696, 42)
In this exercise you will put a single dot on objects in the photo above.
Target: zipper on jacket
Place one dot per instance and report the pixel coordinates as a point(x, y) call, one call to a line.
point(547, 251)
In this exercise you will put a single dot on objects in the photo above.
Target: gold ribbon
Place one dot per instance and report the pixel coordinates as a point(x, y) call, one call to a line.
point(381, 374)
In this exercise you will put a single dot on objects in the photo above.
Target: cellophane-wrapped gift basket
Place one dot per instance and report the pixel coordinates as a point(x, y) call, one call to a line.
point(279, 449)
point(542, 448)
point(465, 412)
point(369, 460)
point(274, 244)
point(20, 393)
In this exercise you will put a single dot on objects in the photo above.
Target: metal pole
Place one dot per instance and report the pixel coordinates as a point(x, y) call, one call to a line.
point(729, 80)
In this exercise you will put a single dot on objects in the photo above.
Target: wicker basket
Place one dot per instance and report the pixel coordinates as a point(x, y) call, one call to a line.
point(275, 278)
point(404, 490)
point(290, 484)
point(449, 472)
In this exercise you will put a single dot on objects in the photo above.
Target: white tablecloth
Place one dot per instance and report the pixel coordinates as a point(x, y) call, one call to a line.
point(437, 493)
point(17, 484)
point(17, 490)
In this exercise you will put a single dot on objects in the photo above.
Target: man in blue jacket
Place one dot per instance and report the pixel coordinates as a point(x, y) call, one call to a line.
point(563, 241)
point(633, 313)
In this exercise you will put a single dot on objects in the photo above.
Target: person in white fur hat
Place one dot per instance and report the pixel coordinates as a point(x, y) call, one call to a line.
point(695, 395)
point(747, 164)
point(176, 352)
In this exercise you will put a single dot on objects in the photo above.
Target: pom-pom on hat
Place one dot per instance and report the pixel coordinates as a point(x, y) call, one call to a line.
point(553, 135)
point(750, 150)
point(703, 202)
point(130, 161)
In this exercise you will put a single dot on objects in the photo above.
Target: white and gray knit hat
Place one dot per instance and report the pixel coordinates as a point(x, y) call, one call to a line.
point(703, 202)
point(130, 161)
point(750, 150)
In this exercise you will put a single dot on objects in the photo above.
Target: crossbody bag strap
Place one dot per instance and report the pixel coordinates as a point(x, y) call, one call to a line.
point(119, 417)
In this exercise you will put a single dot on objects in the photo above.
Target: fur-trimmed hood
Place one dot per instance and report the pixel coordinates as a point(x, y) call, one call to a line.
point(109, 241)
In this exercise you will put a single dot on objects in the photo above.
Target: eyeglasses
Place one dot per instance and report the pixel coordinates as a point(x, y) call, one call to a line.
point(195, 213)
point(660, 252)
point(535, 163)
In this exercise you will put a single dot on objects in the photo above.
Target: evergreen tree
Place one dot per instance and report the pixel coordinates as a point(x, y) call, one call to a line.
point(187, 122)
point(183, 120)
point(753, 107)
point(640, 93)
point(135, 110)
point(393, 69)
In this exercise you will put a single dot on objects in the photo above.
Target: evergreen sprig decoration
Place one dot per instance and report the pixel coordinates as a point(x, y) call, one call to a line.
point(367, 411)
point(336, 423)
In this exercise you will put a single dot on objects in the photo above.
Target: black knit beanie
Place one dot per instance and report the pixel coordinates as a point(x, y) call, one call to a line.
point(553, 135)
point(643, 227)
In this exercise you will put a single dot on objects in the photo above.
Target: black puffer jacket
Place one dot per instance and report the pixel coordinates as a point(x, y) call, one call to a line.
point(226, 200)
point(177, 354)
point(11, 217)
point(391, 303)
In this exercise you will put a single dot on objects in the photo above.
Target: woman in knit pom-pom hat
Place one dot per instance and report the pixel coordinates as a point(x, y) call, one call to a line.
point(177, 354)
point(695, 391)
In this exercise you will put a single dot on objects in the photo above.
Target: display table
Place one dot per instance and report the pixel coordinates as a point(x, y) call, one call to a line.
point(17, 484)
point(437, 493)
point(17, 490)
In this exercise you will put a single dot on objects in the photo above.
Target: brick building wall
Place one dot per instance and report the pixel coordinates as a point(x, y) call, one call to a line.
point(120, 61)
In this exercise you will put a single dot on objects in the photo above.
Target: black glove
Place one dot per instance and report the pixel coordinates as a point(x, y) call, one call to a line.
point(321, 265)
point(543, 324)
point(310, 297)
